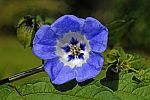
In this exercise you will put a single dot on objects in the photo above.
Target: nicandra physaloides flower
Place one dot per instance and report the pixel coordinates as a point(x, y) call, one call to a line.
point(71, 47)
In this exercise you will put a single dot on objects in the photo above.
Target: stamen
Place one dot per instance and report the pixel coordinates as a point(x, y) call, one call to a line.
point(74, 50)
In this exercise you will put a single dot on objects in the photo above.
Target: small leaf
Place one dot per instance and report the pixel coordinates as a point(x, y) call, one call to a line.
point(122, 53)
point(113, 56)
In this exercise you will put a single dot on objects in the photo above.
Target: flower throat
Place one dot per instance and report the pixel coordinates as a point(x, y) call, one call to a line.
point(74, 49)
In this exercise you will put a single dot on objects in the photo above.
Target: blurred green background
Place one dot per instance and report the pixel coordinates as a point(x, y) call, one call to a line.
point(127, 20)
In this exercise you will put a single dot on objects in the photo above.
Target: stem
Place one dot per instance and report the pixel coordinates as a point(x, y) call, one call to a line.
point(22, 75)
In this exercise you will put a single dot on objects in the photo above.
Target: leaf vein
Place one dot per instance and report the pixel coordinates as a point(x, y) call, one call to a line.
point(57, 94)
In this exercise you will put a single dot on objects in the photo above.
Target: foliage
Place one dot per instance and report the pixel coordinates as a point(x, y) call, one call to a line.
point(129, 86)
point(120, 61)
point(121, 85)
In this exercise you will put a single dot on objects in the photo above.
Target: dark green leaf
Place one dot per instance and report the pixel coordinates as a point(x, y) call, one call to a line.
point(123, 86)
point(42, 89)
point(130, 86)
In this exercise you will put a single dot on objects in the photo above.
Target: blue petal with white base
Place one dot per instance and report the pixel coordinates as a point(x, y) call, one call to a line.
point(44, 43)
point(44, 51)
point(96, 33)
point(45, 36)
point(58, 72)
point(91, 68)
point(67, 23)
point(71, 47)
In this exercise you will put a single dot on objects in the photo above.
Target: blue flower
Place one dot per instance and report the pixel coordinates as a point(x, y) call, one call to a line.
point(71, 47)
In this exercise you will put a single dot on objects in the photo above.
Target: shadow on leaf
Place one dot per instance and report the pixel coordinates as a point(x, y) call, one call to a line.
point(85, 82)
point(136, 79)
point(111, 79)
point(71, 84)
point(66, 86)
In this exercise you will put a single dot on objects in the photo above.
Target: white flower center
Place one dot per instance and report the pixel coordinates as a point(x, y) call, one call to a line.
point(73, 49)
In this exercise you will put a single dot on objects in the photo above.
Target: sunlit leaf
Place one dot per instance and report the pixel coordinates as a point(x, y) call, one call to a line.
point(42, 89)
point(129, 86)
point(115, 86)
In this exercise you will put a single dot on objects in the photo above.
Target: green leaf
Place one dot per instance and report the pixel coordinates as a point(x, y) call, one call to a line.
point(130, 86)
point(134, 90)
point(8, 92)
point(42, 89)
point(123, 86)
point(112, 55)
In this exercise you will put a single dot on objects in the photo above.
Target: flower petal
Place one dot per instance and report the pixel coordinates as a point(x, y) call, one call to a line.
point(91, 68)
point(96, 60)
point(58, 73)
point(92, 27)
point(44, 51)
point(45, 36)
point(99, 42)
point(67, 23)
